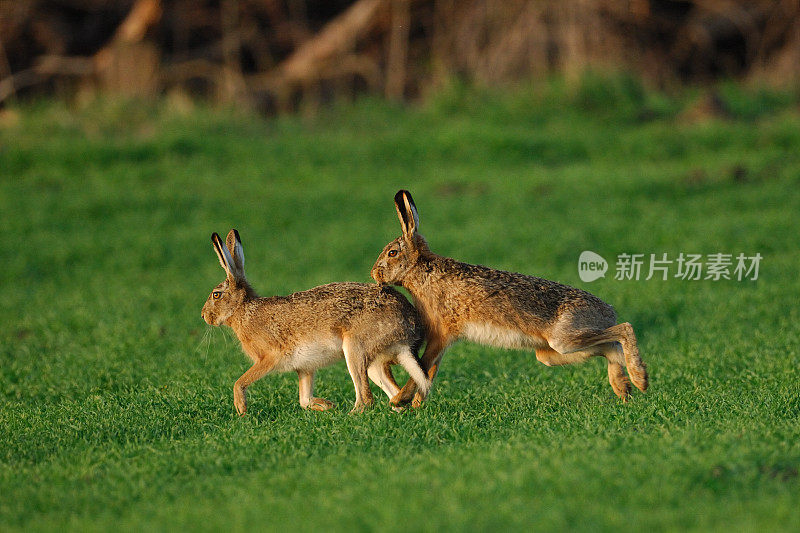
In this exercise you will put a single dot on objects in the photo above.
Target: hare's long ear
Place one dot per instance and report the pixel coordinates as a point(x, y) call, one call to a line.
point(224, 256)
point(406, 212)
point(234, 244)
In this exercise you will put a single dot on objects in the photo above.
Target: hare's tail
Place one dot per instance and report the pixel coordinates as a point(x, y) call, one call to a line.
point(411, 365)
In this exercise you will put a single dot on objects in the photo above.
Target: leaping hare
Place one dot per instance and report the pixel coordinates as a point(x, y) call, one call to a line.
point(562, 324)
point(371, 327)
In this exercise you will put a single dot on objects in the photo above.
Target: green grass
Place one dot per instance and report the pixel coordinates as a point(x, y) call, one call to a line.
point(116, 399)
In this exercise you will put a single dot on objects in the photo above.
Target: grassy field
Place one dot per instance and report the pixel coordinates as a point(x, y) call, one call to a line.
point(116, 399)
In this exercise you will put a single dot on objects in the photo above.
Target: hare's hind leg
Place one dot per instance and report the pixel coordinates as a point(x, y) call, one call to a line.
point(431, 358)
point(549, 357)
point(611, 351)
point(356, 358)
point(637, 370)
point(412, 366)
point(381, 375)
point(566, 342)
point(307, 399)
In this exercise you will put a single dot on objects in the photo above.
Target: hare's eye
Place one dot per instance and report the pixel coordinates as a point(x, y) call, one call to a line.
point(217, 295)
point(392, 253)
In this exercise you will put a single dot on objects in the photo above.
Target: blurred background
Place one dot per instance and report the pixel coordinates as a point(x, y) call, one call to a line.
point(283, 55)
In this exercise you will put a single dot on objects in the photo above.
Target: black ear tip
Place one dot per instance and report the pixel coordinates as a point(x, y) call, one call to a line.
point(403, 194)
point(214, 238)
point(236, 234)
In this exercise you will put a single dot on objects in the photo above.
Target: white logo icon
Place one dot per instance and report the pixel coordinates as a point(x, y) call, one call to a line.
point(591, 266)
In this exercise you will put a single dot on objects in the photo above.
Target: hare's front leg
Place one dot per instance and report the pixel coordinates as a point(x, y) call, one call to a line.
point(307, 399)
point(253, 374)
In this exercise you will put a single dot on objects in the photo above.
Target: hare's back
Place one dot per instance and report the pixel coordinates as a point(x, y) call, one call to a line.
point(346, 299)
point(350, 306)
point(533, 299)
point(378, 318)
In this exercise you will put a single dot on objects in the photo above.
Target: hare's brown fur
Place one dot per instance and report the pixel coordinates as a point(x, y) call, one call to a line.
point(562, 324)
point(370, 327)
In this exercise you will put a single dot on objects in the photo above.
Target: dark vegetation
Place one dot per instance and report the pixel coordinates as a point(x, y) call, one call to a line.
point(274, 55)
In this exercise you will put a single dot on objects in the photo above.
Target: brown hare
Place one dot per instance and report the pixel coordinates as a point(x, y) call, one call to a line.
point(370, 327)
point(562, 324)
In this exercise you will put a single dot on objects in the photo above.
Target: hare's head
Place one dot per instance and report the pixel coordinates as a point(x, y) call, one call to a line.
point(229, 295)
point(400, 256)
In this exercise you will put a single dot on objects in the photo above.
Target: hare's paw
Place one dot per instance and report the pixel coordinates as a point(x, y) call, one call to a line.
point(622, 388)
point(319, 404)
point(619, 381)
point(403, 397)
point(240, 400)
point(360, 408)
point(417, 403)
point(397, 400)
